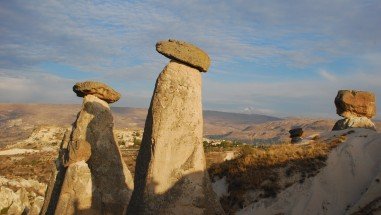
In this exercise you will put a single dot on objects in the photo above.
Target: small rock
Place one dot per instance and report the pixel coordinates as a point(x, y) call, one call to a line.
point(37, 205)
point(296, 132)
point(23, 195)
point(6, 198)
point(185, 53)
point(100, 90)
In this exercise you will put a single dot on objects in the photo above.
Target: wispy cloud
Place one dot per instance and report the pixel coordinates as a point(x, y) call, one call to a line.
point(327, 75)
point(114, 42)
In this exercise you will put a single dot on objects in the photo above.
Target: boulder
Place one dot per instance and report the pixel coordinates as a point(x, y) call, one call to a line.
point(14, 202)
point(96, 180)
point(76, 191)
point(97, 89)
point(354, 122)
point(296, 132)
point(296, 135)
point(352, 103)
point(37, 205)
point(185, 53)
point(170, 174)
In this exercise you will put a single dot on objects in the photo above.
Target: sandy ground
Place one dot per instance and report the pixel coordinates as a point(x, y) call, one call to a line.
point(18, 151)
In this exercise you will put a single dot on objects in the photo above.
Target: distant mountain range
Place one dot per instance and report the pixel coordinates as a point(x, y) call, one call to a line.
point(18, 120)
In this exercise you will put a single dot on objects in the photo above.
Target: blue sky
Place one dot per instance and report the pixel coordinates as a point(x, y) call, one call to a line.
point(282, 58)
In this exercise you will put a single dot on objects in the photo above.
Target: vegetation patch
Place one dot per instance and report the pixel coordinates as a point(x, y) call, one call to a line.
point(267, 170)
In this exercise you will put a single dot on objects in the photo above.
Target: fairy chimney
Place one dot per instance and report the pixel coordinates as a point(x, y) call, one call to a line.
point(93, 178)
point(170, 174)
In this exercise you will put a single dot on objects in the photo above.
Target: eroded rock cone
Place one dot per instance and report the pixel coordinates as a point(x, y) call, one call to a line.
point(96, 180)
point(357, 108)
point(296, 135)
point(170, 174)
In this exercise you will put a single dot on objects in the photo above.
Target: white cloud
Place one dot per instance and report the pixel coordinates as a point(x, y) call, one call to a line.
point(327, 75)
point(312, 97)
point(114, 40)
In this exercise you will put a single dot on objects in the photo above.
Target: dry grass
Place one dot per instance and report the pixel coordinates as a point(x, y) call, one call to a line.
point(36, 166)
point(262, 168)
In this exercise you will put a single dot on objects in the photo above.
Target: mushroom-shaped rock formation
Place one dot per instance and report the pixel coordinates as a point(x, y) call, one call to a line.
point(97, 89)
point(170, 173)
point(357, 108)
point(296, 135)
point(92, 177)
point(185, 53)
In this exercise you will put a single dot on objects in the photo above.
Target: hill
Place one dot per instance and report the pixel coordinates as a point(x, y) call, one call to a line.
point(17, 121)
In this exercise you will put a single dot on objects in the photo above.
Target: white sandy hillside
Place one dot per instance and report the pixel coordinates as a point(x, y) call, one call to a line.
point(42, 136)
point(350, 183)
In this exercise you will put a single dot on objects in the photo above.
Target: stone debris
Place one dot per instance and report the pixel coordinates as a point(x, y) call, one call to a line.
point(357, 108)
point(21, 196)
point(170, 174)
point(100, 90)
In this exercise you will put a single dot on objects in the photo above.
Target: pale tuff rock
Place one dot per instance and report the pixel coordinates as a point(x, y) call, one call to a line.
point(352, 103)
point(37, 205)
point(97, 180)
point(357, 107)
point(97, 89)
point(185, 53)
point(57, 176)
point(354, 122)
point(127, 138)
point(42, 137)
point(78, 150)
point(76, 191)
point(348, 184)
point(170, 174)
point(21, 196)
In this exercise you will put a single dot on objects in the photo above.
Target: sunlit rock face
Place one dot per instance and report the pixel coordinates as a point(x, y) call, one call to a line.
point(357, 108)
point(170, 175)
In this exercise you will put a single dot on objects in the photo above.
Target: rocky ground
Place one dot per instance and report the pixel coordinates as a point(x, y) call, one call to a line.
point(29, 149)
point(234, 168)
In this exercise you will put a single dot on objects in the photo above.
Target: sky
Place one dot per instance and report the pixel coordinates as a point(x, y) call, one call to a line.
point(279, 58)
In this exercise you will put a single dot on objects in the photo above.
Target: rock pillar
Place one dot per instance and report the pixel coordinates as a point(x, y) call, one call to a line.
point(96, 180)
point(170, 174)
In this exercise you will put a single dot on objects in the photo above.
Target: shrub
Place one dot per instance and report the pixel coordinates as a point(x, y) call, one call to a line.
point(137, 142)
point(257, 168)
